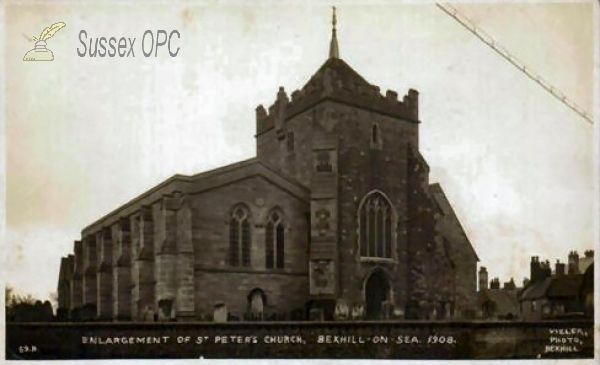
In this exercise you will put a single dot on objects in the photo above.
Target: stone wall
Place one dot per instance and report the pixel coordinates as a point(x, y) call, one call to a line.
point(364, 167)
point(274, 149)
point(284, 292)
point(216, 280)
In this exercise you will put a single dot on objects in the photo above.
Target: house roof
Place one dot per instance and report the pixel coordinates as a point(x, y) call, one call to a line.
point(564, 286)
point(584, 263)
point(587, 282)
point(204, 181)
point(536, 290)
point(558, 286)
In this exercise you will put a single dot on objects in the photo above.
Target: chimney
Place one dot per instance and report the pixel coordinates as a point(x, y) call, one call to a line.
point(573, 262)
point(546, 270)
point(559, 268)
point(483, 278)
point(525, 282)
point(589, 253)
point(535, 269)
point(510, 285)
point(495, 283)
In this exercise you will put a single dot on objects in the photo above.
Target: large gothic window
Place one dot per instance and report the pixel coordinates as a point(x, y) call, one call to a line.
point(275, 241)
point(375, 226)
point(240, 238)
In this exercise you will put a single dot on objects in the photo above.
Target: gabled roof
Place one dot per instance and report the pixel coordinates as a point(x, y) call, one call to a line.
point(564, 286)
point(442, 202)
point(558, 286)
point(205, 181)
point(536, 290)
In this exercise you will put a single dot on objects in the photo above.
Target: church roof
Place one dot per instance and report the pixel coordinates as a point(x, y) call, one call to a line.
point(202, 182)
point(442, 202)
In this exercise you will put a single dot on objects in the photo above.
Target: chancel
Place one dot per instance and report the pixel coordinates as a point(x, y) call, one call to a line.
point(335, 211)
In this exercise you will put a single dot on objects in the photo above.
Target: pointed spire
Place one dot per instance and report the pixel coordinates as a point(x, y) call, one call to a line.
point(334, 51)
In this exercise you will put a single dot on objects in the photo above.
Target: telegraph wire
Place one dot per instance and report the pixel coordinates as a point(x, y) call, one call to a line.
point(504, 53)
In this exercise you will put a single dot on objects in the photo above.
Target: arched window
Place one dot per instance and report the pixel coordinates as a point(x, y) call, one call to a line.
point(375, 226)
point(275, 241)
point(240, 238)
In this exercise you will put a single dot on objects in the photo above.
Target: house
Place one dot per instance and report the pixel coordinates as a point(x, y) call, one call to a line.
point(564, 294)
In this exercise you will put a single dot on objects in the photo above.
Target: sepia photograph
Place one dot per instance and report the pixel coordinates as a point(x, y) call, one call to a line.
point(387, 180)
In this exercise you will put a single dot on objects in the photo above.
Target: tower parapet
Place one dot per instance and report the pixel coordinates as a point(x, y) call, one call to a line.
point(337, 81)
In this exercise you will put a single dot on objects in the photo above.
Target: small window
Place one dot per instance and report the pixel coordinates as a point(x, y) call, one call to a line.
point(375, 134)
point(376, 137)
point(323, 162)
point(240, 237)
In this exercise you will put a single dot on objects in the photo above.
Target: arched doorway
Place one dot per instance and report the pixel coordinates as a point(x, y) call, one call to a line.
point(257, 300)
point(377, 291)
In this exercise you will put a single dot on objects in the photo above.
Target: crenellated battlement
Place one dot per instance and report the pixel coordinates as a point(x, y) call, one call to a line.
point(337, 81)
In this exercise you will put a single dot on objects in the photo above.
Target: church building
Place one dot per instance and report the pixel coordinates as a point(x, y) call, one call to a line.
point(336, 207)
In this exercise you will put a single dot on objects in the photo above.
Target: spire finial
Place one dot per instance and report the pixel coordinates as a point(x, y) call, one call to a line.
point(334, 51)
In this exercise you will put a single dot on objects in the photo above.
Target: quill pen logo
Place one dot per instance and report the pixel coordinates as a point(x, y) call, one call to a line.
point(40, 52)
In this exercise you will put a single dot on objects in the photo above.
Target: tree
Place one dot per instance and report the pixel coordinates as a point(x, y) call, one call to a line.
point(54, 299)
point(8, 293)
point(25, 307)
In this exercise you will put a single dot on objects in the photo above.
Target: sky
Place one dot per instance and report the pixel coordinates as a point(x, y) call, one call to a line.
point(84, 135)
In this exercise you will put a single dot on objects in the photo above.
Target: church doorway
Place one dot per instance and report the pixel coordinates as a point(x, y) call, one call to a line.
point(377, 291)
point(257, 301)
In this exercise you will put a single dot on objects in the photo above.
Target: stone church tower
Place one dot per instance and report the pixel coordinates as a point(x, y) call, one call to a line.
point(336, 210)
point(373, 235)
